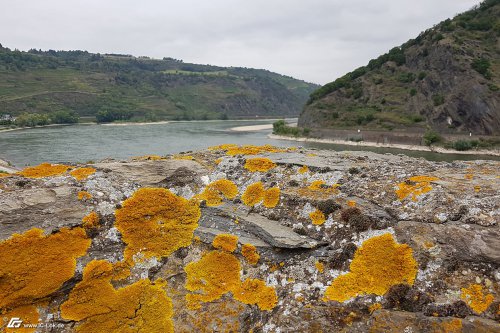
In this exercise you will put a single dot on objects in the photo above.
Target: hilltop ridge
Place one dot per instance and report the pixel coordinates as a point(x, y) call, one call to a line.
point(447, 79)
point(124, 87)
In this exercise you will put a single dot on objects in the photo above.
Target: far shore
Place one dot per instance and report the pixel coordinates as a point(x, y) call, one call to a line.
point(136, 124)
point(441, 150)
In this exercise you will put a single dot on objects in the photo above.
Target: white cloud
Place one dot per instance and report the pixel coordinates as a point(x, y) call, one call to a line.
point(315, 40)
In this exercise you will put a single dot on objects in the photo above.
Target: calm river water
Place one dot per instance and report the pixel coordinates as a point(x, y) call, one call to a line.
point(82, 143)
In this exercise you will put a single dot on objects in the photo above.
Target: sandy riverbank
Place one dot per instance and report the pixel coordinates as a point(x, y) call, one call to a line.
point(441, 150)
point(136, 124)
point(254, 128)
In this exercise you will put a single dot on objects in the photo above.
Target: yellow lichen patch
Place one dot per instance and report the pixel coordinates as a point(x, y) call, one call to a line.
point(250, 253)
point(84, 195)
point(252, 150)
point(98, 307)
point(4, 174)
point(44, 170)
point(82, 173)
point(469, 176)
point(317, 217)
point(148, 158)
point(317, 185)
point(318, 190)
point(261, 164)
point(27, 313)
point(218, 273)
point(414, 186)
point(214, 192)
point(226, 146)
point(378, 264)
point(183, 157)
point(477, 188)
point(91, 220)
point(217, 161)
point(374, 307)
point(255, 291)
point(272, 197)
point(351, 203)
point(214, 275)
point(33, 266)
point(225, 242)
point(452, 326)
point(303, 169)
point(253, 194)
point(156, 222)
point(319, 266)
point(476, 299)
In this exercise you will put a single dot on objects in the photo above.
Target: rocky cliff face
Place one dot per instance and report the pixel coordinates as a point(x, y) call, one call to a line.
point(448, 78)
point(252, 239)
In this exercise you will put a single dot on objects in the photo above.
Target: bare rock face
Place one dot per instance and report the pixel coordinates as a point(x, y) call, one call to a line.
point(295, 241)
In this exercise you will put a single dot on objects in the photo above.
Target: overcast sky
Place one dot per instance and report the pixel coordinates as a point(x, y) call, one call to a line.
point(314, 40)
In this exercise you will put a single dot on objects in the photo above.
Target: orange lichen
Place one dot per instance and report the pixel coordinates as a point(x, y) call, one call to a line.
point(156, 222)
point(183, 157)
point(317, 185)
point(232, 150)
point(91, 220)
point(44, 170)
point(475, 298)
point(303, 169)
point(414, 186)
point(4, 174)
point(469, 176)
point(214, 192)
point(82, 173)
point(217, 161)
point(319, 266)
point(253, 194)
point(84, 195)
point(214, 275)
point(225, 242)
point(261, 164)
point(27, 313)
point(218, 273)
point(254, 291)
point(272, 197)
point(477, 188)
point(250, 253)
point(351, 203)
point(378, 264)
point(318, 189)
point(374, 307)
point(33, 265)
point(148, 158)
point(317, 217)
point(98, 307)
point(452, 326)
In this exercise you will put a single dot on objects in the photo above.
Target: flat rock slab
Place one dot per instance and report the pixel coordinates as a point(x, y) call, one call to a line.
point(153, 173)
point(268, 230)
point(467, 242)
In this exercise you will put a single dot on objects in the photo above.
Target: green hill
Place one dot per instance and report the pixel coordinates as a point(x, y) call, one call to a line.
point(78, 84)
point(446, 79)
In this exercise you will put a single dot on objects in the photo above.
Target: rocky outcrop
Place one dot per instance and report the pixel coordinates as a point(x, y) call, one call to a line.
point(447, 79)
point(312, 241)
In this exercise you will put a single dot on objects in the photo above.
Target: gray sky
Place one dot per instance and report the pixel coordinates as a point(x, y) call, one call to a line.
point(313, 40)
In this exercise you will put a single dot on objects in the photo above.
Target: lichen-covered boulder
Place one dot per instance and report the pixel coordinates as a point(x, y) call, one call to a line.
point(252, 239)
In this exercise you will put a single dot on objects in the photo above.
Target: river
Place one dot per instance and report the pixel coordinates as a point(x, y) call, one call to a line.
point(92, 142)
